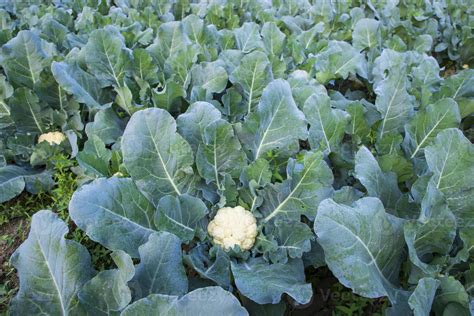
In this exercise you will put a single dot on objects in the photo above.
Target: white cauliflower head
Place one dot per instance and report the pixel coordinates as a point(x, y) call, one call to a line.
point(233, 226)
point(53, 138)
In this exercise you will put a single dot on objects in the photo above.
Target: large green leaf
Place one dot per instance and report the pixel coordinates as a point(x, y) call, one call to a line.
point(51, 269)
point(251, 77)
point(156, 156)
point(393, 102)
point(451, 292)
point(358, 127)
point(308, 183)
point(106, 125)
point(23, 58)
point(95, 157)
point(114, 213)
point(107, 57)
point(28, 113)
point(277, 123)
point(379, 184)
point(265, 283)
point(451, 160)
point(422, 298)
point(200, 302)
point(180, 215)
point(215, 267)
point(220, 154)
point(83, 86)
point(433, 233)
point(192, 123)
point(170, 40)
point(253, 178)
point(339, 60)
point(108, 293)
point(327, 125)
point(161, 269)
point(248, 37)
point(273, 39)
point(211, 77)
point(363, 246)
point(426, 124)
point(12, 182)
point(460, 88)
point(174, 51)
point(366, 34)
point(293, 239)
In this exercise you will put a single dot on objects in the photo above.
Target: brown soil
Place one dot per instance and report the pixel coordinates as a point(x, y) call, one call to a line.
point(12, 235)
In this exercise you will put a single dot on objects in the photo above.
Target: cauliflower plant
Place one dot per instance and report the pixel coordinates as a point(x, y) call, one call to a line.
point(233, 226)
point(53, 138)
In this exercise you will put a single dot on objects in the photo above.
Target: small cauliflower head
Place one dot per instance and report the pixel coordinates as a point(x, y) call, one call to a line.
point(53, 138)
point(233, 226)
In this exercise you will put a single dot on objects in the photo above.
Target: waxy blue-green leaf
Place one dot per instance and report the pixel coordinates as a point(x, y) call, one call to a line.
point(251, 77)
point(358, 127)
point(247, 37)
point(293, 239)
point(194, 26)
point(327, 125)
point(433, 233)
point(363, 246)
point(451, 160)
point(366, 34)
point(379, 184)
point(114, 213)
point(161, 269)
point(51, 269)
point(253, 178)
point(426, 124)
point(174, 51)
point(106, 125)
point(347, 195)
point(303, 86)
point(252, 280)
point(277, 124)
point(12, 182)
point(144, 69)
point(451, 292)
point(205, 301)
point(23, 58)
point(422, 298)
point(14, 179)
point(108, 293)
point(158, 159)
point(220, 154)
point(180, 215)
point(28, 113)
point(393, 102)
point(107, 57)
point(94, 158)
point(426, 79)
point(6, 91)
point(211, 77)
point(460, 88)
point(339, 60)
point(308, 183)
point(82, 85)
point(170, 40)
point(192, 123)
point(168, 96)
point(216, 268)
point(273, 39)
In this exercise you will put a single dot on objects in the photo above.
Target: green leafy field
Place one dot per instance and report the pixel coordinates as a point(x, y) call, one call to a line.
point(339, 133)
